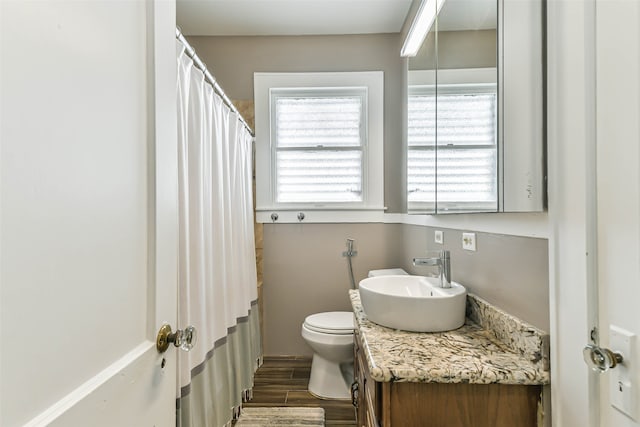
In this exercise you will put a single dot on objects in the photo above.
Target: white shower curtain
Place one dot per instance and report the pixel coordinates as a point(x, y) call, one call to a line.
point(217, 268)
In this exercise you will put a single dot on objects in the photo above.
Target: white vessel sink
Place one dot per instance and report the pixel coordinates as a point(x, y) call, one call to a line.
point(413, 303)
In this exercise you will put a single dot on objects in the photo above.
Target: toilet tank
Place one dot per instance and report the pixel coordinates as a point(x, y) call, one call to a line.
point(388, 272)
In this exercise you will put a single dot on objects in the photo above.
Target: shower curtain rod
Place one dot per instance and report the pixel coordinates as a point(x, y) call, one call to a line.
point(191, 52)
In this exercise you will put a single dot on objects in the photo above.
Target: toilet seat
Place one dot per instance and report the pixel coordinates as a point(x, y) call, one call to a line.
point(332, 322)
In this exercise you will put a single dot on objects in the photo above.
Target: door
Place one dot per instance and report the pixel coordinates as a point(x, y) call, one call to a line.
point(88, 212)
point(617, 29)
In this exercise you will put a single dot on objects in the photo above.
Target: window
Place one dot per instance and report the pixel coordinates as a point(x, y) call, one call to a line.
point(462, 174)
point(318, 142)
point(319, 137)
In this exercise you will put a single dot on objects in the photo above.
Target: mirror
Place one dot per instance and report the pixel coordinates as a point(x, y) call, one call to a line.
point(421, 131)
point(470, 147)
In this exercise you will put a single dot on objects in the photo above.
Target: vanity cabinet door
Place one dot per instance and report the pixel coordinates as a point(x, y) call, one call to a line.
point(462, 405)
point(370, 395)
point(367, 406)
point(357, 388)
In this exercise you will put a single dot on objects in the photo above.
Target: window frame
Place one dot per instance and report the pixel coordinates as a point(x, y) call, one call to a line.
point(452, 82)
point(373, 151)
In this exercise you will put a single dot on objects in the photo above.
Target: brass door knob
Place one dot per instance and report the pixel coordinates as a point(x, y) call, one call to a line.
point(184, 339)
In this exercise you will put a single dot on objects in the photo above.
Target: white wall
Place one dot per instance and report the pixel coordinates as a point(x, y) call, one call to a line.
point(81, 210)
point(570, 106)
point(618, 194)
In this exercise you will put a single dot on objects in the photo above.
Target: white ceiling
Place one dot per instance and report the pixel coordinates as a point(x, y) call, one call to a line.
point(290, 17)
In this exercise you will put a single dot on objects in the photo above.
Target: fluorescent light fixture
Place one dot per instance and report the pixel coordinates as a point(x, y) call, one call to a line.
point(420, 26)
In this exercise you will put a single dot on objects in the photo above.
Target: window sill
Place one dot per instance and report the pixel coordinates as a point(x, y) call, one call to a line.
point(533, 224)
point(288, 216)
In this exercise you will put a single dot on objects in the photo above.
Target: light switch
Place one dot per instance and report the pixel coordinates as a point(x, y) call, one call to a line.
point(438, 236)
point(623, 386)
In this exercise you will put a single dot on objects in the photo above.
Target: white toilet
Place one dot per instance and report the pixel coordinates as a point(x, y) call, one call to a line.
point(330, 335)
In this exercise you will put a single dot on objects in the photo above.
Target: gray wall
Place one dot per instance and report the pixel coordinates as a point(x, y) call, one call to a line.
point(458, 49)
point(233, 60)
point(305, 273)
point(509, 271)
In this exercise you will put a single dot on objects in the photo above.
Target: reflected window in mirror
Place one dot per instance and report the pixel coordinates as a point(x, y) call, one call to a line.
point(467, 149)
point(466, 158)
point(421, 140)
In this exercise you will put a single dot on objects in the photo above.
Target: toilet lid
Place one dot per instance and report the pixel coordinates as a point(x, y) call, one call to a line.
point(333, 322)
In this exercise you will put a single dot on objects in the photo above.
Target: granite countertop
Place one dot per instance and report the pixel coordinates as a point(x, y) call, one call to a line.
point(491, 347)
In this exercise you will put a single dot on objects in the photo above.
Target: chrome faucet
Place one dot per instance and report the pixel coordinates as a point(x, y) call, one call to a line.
point(443, 261)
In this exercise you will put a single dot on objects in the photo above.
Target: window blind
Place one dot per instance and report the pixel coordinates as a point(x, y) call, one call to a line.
point(319, 142)
point(466, 119)
point(462, 174)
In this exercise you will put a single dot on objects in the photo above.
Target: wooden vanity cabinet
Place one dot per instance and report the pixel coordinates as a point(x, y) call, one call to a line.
point(406, 404)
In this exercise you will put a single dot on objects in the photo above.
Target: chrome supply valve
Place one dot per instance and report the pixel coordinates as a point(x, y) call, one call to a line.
point(350, 252)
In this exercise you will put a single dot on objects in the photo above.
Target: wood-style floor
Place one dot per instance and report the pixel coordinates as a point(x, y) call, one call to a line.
point(284, 381)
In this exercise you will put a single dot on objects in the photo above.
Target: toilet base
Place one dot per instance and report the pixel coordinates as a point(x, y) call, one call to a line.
point(327, 381)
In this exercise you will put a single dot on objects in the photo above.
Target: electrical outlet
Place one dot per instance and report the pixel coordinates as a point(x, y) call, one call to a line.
point(469, 241)
point(439, 236)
